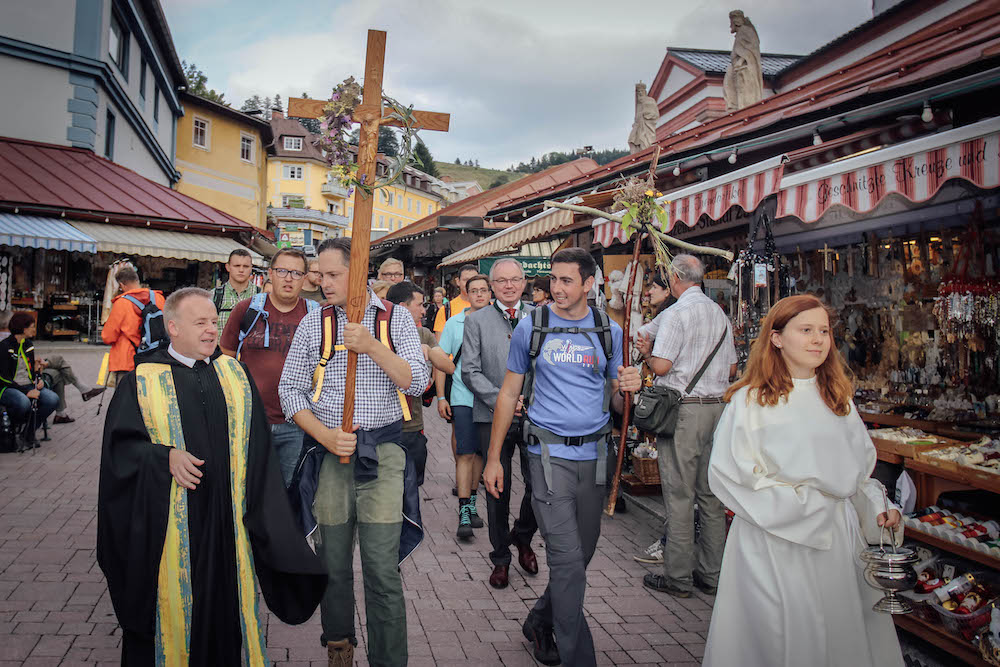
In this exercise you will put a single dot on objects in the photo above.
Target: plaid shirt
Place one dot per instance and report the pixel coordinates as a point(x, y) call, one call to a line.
point(230, 298)
point(376, 402)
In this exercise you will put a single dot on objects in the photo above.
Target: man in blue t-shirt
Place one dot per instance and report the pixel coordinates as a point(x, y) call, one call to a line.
point(569, 427)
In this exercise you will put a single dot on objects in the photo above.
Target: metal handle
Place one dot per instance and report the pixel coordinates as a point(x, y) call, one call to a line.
point(892, 531)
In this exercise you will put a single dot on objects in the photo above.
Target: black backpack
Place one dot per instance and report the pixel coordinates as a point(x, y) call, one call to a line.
point(152, 330)
point(540, 328)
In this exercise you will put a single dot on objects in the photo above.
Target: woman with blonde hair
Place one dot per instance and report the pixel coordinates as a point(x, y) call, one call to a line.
point(792, 459)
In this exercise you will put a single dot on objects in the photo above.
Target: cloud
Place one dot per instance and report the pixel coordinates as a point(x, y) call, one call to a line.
point(519, 78)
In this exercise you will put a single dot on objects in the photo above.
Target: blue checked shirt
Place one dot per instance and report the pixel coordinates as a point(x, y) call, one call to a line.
point(376, 402)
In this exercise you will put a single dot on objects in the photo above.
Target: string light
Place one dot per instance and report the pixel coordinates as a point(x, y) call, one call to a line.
point(524, 214)
point(928, 114)
point(732, 157)
point(677, 170)
point(506, 217)
point(817, 140)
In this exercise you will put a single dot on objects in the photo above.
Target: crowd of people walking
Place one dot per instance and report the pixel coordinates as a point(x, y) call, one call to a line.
point(227, 466)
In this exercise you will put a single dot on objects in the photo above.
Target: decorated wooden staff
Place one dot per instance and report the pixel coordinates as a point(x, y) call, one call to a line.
point(641, 205)
point(370, 115)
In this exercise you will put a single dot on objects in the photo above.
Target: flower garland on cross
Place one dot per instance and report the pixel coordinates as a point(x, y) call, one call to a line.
point(335, 128)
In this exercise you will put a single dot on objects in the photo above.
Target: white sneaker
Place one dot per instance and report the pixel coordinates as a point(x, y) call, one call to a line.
point(653, 554)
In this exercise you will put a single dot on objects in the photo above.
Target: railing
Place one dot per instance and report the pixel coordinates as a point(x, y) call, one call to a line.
point(289, 213)
point(335, 189)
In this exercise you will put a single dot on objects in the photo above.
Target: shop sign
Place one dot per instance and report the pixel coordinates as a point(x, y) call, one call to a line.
point(283, 241)
point(533, 266)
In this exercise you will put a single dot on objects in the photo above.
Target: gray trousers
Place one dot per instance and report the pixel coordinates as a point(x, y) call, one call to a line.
point(683, 463)
point(60, 374)
point(569, 519)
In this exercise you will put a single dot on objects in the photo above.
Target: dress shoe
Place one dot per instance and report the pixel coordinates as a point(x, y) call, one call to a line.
point(659, 583)
point(542, 641)
point(91, 393)
point(702, 586)
point(340, 653)
point(525, 556)
point(499, 578)
point(62, 419)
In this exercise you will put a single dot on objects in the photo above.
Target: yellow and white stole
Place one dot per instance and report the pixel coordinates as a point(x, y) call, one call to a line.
point(161, 414)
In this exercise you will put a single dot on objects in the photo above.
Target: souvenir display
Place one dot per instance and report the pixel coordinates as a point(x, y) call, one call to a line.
point(982, 536)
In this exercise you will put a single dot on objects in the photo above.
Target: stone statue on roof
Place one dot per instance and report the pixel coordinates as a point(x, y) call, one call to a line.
point(647, 112)
point(743, 84)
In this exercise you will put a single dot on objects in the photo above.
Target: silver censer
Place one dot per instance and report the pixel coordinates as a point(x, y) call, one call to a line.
point(890, 572)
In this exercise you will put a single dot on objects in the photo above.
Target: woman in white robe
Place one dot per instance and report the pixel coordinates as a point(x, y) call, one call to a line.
point(796, 475)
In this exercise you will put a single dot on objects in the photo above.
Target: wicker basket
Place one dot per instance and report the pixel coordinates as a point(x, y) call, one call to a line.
point(646, 470)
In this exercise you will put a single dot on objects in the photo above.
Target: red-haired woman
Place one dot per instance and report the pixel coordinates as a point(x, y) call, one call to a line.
point(792, 459)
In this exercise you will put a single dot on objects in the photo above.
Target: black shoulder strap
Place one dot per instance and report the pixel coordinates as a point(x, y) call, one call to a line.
point(220, 293)
point(603, 323)
point(539, 323)
point(704, 366)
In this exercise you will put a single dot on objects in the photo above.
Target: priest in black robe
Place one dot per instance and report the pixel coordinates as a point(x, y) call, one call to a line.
point(192, 511)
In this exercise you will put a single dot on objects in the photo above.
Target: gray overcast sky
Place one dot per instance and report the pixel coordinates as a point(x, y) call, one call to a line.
point(520, 78)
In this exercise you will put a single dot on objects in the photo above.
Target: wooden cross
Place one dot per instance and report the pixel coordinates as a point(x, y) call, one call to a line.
point(369, 115)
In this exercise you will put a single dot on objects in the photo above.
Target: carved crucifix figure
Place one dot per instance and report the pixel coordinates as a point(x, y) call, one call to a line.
point(827, 262)
point(369, 115)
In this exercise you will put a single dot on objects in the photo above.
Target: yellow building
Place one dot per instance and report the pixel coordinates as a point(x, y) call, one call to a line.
point(221, 158)
point(413, 196)
point(303, 204)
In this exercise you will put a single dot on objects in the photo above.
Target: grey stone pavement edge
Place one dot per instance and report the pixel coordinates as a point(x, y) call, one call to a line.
point(55, 610)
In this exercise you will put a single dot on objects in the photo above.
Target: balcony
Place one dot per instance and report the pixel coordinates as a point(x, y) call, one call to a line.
point(335, 189)
point(307, 215)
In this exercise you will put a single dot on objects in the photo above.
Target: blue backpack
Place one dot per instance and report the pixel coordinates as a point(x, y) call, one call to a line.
point(153, 330)
point(254, 312)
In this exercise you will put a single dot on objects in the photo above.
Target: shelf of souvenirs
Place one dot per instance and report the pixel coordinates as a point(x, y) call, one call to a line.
point(944, 640)
point(953, 599)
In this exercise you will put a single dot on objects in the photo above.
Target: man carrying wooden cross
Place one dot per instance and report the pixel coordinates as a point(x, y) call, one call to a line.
point(365, 494)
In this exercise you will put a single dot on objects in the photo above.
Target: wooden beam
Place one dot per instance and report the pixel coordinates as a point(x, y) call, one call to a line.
point(425, 120)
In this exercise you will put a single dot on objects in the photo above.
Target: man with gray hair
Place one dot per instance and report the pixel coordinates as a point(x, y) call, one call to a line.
point(192, 514)
point(694, 354)
point(391, 270)
point(485, 346)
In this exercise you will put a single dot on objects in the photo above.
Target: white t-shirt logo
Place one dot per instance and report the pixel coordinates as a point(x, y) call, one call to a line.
point(557, 351)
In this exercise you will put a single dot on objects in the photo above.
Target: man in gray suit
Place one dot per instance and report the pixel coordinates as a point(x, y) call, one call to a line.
point(484, 363)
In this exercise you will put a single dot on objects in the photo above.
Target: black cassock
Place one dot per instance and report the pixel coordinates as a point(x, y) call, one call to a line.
point(133, 503)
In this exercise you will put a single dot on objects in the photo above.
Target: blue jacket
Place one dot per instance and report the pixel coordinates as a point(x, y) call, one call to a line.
point(305, 483)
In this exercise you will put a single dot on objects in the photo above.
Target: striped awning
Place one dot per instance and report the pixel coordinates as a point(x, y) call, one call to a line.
point(32, 231)
point(915, 170)
point(162, 242)
point(507, 240)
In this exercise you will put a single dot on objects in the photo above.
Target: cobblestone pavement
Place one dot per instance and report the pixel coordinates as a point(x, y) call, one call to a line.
point(55, 610)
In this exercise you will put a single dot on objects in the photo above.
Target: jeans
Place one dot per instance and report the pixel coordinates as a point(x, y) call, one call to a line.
point(373, 512)
point(683, 463)
point(287, 441)
point(569, 519)
point(498, 510)
point(18, 405)
point(58, 375)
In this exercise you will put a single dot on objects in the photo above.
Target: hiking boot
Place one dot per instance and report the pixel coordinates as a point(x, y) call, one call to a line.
point(340, 653)
point(542, 641)
point(91, 393)
point(659, 583)
point(651, 555)
point(702, 586)
point(474, 515)
point(464, 523)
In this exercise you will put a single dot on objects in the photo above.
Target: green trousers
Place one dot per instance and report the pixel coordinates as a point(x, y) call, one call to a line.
point(372, 511)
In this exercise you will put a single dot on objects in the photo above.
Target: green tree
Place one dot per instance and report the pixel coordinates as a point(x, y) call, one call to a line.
point(252, 104)
point(424, 160)
point(458, 161)
point(500, 180)
point(277, 103)
point(197, 84)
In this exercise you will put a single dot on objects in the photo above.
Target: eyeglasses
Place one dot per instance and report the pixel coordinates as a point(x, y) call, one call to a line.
point(393, 275)
point(479, 291)
point(503, 282)
point(284, 273)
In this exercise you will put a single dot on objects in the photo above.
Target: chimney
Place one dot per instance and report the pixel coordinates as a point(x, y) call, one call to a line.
point(277, 113)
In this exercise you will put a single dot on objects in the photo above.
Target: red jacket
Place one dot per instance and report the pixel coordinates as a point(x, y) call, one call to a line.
point(121, 331)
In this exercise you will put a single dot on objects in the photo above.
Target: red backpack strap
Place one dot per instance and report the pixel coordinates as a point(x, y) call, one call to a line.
point(386, 317)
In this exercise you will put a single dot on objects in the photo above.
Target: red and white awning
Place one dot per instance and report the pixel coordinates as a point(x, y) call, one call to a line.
point(914, 169)
point(745, 187)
